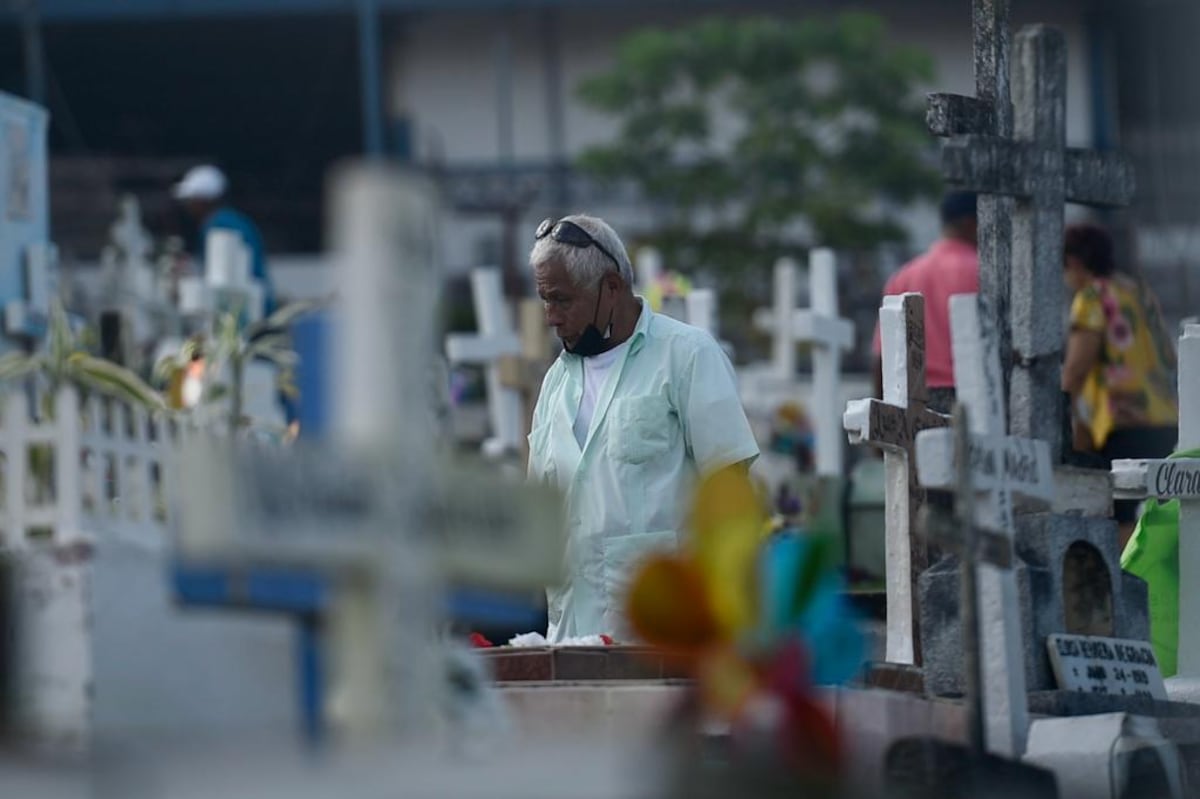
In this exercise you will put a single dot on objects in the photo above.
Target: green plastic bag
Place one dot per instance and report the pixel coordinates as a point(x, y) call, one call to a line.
point(1153, 554)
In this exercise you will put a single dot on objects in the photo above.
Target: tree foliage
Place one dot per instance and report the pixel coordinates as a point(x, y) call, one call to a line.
point(758, 136)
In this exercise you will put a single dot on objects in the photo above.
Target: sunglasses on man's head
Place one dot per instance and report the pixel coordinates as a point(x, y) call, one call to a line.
point(567, 232)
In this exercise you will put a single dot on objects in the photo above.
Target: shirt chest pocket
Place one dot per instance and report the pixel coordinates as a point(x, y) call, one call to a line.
point(640, 428)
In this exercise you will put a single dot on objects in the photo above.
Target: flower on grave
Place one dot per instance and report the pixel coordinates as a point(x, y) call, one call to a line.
point(758, 619)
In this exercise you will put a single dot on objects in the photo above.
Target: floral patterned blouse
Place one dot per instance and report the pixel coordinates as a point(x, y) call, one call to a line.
point(1134, 383)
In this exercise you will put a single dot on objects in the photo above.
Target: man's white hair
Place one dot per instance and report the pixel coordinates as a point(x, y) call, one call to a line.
point(585, 265)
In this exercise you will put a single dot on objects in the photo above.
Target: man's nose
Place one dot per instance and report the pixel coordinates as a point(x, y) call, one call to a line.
point(553, 316)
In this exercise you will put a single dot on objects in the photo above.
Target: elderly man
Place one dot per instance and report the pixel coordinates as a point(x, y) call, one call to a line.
point(636, 407)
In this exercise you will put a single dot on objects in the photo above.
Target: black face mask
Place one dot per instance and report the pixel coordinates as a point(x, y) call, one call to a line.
point(591, 341)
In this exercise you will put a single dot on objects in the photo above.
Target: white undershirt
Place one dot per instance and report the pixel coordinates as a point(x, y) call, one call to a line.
point(595, 375)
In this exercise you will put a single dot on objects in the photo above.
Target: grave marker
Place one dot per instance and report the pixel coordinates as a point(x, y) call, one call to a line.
point(1042, 173)
point(980, 390)
point(495, 340)
point(892, 425)
point(828, 333)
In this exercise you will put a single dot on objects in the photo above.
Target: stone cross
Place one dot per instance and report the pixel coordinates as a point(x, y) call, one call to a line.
point(495, 340)
point(1042, 173)
point(1000, 466)
point(523, 373)
point(1178, 479)
point(892, 425)
point(988, 113)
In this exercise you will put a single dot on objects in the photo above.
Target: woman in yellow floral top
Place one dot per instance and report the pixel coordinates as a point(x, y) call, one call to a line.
point(1120, 364)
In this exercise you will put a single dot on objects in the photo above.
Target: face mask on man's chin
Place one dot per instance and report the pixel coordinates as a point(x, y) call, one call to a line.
point(590, 342)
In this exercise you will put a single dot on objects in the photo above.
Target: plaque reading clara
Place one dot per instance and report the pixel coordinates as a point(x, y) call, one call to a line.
point(1113, 666)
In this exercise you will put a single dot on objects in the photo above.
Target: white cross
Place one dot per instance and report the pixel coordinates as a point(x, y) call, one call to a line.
point(495, 340)
point(1178, 479)
point(1000, 466)
point(828, 333)
point(892, 425)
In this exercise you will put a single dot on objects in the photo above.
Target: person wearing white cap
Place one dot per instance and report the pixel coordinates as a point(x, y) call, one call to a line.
point(201, 192)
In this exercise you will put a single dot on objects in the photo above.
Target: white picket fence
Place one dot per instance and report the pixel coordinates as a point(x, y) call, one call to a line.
point(86, 469)
point(88, 494)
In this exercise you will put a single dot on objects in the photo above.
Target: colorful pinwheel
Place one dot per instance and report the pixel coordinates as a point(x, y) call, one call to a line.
point(758, 619)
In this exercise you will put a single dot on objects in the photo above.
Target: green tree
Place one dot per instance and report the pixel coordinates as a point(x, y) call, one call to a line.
point(756, 137)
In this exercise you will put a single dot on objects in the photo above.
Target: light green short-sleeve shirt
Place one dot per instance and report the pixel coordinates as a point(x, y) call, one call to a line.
point(667, 413)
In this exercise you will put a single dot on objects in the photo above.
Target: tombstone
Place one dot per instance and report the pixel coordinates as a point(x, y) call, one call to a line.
point(1000, 466)
point(1061, 579)
point(1178, 479)
point(1036, 167)
point(495, 340)
point(892, 425)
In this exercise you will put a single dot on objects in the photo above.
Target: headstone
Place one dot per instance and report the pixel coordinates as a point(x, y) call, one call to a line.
point(892, 425)
point(1178, 479)
point(495, 340)
point(1037, 168)
point(1000, 466)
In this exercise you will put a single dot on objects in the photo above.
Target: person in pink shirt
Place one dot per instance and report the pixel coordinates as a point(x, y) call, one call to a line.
point(950, 266)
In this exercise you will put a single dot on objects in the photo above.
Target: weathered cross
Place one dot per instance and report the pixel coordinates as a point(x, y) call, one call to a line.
point(988, 113)
point(1000, 466)
point(778, 321)
point(1178, 478)
point(892, 425)
point(495, 340)
point(1042, 173)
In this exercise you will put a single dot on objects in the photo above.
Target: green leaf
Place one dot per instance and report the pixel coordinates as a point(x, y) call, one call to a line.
point(106, 377)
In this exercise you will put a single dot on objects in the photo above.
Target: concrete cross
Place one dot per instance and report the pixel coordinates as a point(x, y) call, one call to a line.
point(988, 113)
point(495, 340)
point(701, 308)
point(1042, 173)
point(778, 321)
point(1000, 467)
point(1178, 479)
point(892, 425)
point(524, 372)
point(828, 334)
point(649, 268)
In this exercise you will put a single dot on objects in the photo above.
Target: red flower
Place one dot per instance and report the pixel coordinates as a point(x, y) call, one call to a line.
point(479, 642)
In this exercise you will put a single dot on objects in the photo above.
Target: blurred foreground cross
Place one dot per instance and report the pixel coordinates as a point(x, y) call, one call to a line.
point(375, 521)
